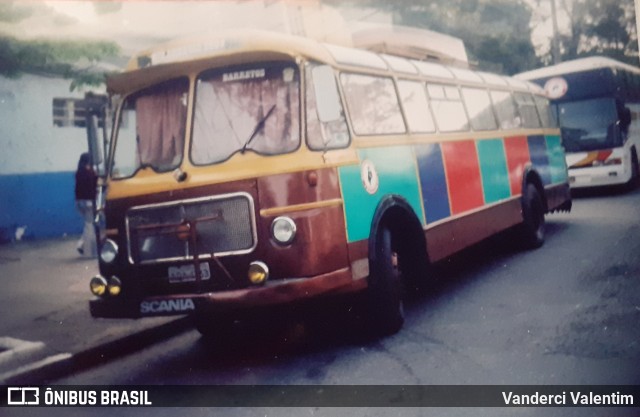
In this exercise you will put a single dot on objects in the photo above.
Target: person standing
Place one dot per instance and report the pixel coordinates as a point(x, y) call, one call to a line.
point(85, 192)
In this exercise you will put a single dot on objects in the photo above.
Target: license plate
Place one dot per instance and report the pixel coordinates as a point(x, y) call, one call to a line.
point(187, 273)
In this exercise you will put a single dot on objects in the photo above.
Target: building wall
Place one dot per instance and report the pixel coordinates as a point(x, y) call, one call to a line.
point(37, 160)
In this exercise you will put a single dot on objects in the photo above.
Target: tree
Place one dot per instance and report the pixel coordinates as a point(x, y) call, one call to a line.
point(76, 60)
point(602, 27)
point(496, 33)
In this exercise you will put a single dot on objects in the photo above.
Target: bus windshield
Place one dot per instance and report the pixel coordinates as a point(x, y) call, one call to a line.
point(588, 125)
point(246, 108)
point(151, 129)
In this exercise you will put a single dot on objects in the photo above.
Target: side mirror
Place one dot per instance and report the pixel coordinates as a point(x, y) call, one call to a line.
point(326, 91)
point(96, 145)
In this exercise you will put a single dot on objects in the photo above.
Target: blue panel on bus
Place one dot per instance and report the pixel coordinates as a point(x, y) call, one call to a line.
point(539, 157)
point(433, 182)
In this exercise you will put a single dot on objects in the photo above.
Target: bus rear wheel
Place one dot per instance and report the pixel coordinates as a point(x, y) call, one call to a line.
point(385, 306)
point(532, 228)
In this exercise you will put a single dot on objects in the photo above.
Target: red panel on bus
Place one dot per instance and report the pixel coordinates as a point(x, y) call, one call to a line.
point(463, 175)
point(517, 150)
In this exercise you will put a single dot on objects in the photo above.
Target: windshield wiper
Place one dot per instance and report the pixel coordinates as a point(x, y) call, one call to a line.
point(258, 128)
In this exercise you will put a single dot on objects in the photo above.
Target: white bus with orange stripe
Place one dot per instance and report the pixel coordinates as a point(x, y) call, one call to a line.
point(597, 103)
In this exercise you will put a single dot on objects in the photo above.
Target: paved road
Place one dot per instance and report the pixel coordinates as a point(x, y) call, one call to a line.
point(568, 313)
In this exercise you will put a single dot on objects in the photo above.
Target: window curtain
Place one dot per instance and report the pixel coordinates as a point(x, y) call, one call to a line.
point(160, 127)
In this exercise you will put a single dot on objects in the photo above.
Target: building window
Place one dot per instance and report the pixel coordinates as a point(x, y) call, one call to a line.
point(71, 112)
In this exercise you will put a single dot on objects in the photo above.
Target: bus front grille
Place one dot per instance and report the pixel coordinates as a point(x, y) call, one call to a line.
point(220, 226)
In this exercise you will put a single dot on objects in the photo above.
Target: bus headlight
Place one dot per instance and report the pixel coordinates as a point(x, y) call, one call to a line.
point(114, 286)
point(109, 251)
point(258, 272)
point(613, 161)
point(283, 230)
point(98, 285)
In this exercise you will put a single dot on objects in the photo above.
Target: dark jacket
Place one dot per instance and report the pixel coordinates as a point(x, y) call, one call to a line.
point(86, 181)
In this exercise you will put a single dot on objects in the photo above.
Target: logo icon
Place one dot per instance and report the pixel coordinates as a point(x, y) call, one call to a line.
point(369, 176)
point(556, 87)
point(23, 396)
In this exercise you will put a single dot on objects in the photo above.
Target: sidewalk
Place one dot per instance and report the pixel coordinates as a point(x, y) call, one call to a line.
point(44, 301)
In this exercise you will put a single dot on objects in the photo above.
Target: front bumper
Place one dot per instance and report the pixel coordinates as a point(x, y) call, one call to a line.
point(599, 176)
point(272, 293)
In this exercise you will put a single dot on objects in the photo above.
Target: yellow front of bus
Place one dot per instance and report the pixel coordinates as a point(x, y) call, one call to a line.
point(215, 200)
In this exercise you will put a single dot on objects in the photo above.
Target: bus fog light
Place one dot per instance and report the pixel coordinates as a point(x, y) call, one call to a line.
point(109, 251)
point(283, 230)
point(258, 272)
point(98, 285)
point(114, 286)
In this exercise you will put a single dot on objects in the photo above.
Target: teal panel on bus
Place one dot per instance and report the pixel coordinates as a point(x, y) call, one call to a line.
point(557, 165)
point(493, 167)
point(395, 171)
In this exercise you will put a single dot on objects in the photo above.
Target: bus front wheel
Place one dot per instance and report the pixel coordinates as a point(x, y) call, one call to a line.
point(385, 307)
point(533, 225)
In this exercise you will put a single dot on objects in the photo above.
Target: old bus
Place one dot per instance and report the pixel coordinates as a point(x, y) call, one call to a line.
point(257, 169)
point(596, 101)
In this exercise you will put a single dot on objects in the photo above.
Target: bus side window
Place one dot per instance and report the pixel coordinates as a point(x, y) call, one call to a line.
point(479, 108)
point(544, 110)
point(326, 124)
point(527, 109)
point(505, 110)
point(416, 106)
point(447, 108)
point(372, 103)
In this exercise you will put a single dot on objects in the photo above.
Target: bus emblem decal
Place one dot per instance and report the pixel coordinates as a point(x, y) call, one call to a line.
point(369, 176)
point(556, 87)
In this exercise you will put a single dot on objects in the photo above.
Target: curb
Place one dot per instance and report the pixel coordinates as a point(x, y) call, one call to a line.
point(100, 354)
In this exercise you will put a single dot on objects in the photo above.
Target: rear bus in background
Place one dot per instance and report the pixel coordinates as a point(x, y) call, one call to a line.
point(257, 169)
point(596, 101)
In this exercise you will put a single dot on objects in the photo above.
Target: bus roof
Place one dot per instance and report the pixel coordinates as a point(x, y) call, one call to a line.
point(169, 59)
point(576, 65)
point(238, 46)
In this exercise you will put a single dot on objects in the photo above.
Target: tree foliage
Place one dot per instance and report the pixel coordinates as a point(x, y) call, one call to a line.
point(496, 33)
point(75, 60)
point(603, 27)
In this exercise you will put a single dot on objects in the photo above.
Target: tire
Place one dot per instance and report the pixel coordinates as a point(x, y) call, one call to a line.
point(385, 306)
point(532, 229)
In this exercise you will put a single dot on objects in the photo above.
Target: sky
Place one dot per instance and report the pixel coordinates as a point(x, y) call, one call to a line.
point(135, 25)
point(140, 24)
